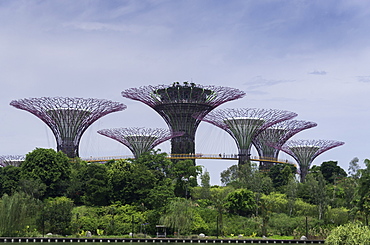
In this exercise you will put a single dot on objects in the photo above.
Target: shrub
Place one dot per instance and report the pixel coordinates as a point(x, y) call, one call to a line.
point(234, 224)
point(304, 209)
point(337, 216)
point(57, 215)
point(283, 225)
point(351, 233)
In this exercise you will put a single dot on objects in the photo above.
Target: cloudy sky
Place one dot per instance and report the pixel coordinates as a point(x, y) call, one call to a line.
point(307, 56)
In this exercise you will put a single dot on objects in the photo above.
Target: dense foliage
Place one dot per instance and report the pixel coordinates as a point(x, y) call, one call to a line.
point(352, 233)
point(50, 193)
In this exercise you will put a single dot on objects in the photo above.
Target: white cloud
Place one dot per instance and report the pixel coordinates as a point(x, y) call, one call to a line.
point(318, 72)
point(260, 82)
point(363, 79)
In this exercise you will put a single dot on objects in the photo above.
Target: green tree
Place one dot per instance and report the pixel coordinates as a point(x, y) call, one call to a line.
point(205, 185)
point(56, 216)
point(280, 174)
point(156, 161)
point(9, 179)
point(275, 202)
point(185, 175)
point(76, 187)
point(159, 195)
point(330, 171)
point(229, 175)
point(291, 190)
point(364, 190)
point(178, 215)
point(32, 187)
point(316, 188)
point(50, 167)
point(16, 213)
point(354, 167)
point(218, 199)
point(130, 182)
point(240, 202)
point(96, 189)
point(349, 188)
point(248, 176)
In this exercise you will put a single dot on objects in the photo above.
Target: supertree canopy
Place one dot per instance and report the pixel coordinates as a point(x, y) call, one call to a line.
point(305, 151)
point(11, 160)
point(277, 134)
point(68, 118)
point(177, 103)
point(244, 124)
point(140, 140)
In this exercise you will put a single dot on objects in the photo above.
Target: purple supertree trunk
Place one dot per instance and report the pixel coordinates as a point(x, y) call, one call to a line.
point(244, 124)
point(277, 135)
point(178, 103)
point(305, 151)
point(11, 160)
point(140, 140)
point(68, 118)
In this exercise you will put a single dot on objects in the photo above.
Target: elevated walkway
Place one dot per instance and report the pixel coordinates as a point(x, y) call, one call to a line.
point(191, 156)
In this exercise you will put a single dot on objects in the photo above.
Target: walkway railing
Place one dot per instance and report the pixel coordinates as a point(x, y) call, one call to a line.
point(192, 156)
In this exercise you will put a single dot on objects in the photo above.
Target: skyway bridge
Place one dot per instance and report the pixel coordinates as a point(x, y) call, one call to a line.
point(192, 156)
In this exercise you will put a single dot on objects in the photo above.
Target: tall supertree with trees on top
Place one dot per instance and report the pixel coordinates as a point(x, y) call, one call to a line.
point(11, 160)
point(68, 118)
point(244, 124)
point(177, 103)
point(277, 134)
point(305, 151)
point(140, 140)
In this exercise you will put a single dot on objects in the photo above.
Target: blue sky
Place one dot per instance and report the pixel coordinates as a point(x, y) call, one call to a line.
point(310, 57)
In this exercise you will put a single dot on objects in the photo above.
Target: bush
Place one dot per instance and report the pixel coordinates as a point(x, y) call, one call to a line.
point(317, 229)
point(112, 220)
point(302, 208)
point(17, 214)
point(57, 215)
point(283, 225)
point(352, 233)
point(234, 224)
point(337, 216)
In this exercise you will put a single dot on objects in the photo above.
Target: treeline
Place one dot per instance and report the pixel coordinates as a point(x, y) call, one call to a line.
point(50, 193)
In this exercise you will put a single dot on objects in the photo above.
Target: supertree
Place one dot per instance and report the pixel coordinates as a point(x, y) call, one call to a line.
point(177, 103)
point(11, 160)
point(68, 118)
point(140, 140)
point(277, 134)
point(305, 151)
point(244, 124)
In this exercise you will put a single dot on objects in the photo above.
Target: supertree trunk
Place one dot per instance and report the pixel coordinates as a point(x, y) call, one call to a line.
point(140, 140)
point(244, 124)
point(277, 134)
point(178, 103)
point(305, 151)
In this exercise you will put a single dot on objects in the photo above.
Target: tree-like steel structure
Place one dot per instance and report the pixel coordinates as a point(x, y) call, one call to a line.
point(277, 135)
point(178, 103)
point(244, 124)
point(11, 160)
point(305, 151)
point(68, 118)
point(140, 140)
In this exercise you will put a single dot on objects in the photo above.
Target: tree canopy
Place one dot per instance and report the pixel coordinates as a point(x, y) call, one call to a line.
point(50, 168)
